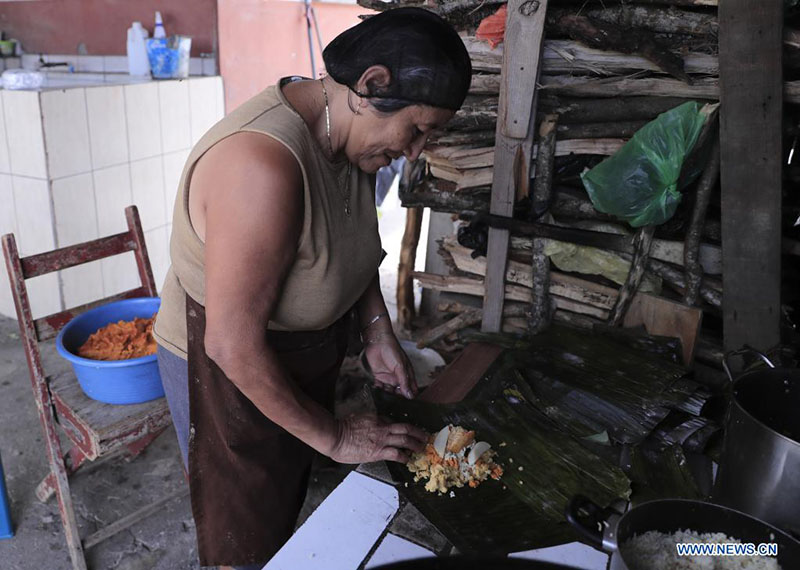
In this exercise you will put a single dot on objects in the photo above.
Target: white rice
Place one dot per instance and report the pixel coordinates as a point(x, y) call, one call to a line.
point(657, 551)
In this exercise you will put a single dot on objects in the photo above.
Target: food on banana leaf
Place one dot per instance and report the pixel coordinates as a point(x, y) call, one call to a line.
point(452, 458)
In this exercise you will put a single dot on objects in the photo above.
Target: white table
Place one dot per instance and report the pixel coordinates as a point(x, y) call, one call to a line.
point(349, 529)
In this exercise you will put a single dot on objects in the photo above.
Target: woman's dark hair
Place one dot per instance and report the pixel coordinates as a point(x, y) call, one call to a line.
point(428, 62)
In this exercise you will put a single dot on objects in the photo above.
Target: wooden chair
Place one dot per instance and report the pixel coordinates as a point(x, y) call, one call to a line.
point(94, 429)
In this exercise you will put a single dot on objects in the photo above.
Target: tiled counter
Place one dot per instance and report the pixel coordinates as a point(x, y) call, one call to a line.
point(70, 161)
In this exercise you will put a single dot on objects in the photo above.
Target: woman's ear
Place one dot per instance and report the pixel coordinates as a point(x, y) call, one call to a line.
point(374, 81)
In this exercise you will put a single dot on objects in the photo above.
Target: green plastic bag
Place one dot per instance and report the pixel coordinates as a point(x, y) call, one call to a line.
point(639, 184)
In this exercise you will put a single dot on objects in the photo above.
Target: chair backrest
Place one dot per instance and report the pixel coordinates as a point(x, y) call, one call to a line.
point(22, 268)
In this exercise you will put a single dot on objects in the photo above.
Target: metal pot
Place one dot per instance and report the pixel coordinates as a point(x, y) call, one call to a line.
point(759, 470)
point(608, 528)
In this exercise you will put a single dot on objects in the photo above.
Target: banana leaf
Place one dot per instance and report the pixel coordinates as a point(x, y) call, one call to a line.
point(543, 469)
point(587, 383)
point(662, 472)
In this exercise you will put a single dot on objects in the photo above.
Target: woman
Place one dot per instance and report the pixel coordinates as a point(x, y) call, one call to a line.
point(274, 241)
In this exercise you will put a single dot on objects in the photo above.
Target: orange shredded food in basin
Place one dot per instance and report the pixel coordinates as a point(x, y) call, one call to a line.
point(120, 341)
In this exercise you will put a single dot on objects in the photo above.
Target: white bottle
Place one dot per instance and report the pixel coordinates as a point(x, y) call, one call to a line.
point(158, 31)
point(138, 64)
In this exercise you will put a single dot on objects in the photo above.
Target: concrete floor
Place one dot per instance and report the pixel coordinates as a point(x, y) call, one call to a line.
point(104, 492)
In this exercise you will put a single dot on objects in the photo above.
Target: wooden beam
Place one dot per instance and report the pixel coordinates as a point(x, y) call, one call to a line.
point(513, 140)
point(750, 42)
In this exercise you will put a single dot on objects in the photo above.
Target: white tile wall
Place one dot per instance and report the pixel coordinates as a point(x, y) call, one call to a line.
point(220, 98)
point(107, 126)
point(8, 219)
point(147, 185)
point(195, 66)
point(5, 161)
point(209, 66)
point(119, 274)
point(128, 158)
point(173, 168)
point(91, 63)
point(23, 119)
point(157, 241)
point(175, 119)
point(203, 106)
point(44, 293)
point(76, 222)
point(8, 224)
point(6, 301)
point(34, 235)
point(81, 284)
point(66, 132)
point(30, 61)
point(34, 215)
point(143, 120)
point(74, 209)
point(115, 64)
point(112, 189)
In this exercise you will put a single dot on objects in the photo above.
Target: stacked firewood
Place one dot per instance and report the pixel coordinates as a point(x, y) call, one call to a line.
point(607, 69)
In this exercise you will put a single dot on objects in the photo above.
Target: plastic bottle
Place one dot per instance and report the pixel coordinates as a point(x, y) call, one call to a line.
point(138, 64)
point(158, 31)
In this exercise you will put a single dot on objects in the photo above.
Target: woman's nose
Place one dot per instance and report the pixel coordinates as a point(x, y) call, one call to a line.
point(414, 149)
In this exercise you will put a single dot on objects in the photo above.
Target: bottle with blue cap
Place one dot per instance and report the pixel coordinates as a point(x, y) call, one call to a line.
point(158, 31)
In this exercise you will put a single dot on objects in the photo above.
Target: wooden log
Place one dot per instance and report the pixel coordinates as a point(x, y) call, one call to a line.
point(513, 139)
point(664, 20)
point(607, 35)
point(707, 88)
point(541, 315)
point(750, 157)
point(615, 130)
point(517, 273)
point(573, 110)
point(475, 286)
point(691, 251)
point(408, 255)
point(641, 243)
point(467, 318)
point(674, 277)
point(570, 56)
point(484, 84)
point(470, 174)
point(429, 196)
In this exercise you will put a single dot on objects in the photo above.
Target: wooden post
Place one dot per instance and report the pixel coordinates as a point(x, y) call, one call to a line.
point(514, 139)
point(750, 65)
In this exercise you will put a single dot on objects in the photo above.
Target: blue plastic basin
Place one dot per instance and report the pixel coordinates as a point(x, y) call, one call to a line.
point(130, 381)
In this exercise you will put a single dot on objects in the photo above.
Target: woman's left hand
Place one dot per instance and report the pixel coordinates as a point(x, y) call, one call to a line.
point(390, 365)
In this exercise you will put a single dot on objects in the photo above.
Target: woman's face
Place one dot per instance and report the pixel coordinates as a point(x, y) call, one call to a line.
point(377, 138)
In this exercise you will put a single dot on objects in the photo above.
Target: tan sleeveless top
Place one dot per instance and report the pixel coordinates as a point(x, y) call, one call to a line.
point(337, 255)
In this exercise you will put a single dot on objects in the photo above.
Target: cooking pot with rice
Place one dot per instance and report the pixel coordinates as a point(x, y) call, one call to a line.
point(759, 470)
point(618, 533)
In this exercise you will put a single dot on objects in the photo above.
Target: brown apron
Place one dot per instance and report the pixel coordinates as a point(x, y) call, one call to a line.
point(247, 475)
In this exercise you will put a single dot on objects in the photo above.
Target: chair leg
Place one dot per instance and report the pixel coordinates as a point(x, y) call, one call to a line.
point(73, 461)
point(59, 471)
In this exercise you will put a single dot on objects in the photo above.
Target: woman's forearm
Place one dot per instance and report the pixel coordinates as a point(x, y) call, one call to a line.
point(255, 369)
point(373, 317)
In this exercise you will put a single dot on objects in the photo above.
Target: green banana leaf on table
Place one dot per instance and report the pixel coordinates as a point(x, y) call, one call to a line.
point(557, 409)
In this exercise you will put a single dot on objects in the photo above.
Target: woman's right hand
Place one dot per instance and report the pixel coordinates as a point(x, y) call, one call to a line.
point(365, 438)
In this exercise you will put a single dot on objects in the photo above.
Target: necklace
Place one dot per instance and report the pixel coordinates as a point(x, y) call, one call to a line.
point(343, 188)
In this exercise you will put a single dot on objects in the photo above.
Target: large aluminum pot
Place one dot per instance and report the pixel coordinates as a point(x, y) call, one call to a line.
point(608, 528)
point(759, 471)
